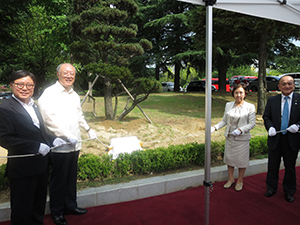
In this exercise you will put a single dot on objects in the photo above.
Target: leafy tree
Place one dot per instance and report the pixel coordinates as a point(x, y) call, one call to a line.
point(40, 41)
point(103, 42)
point(11, 12)
point(239, 40)
point(230, 49)
point(166, 25)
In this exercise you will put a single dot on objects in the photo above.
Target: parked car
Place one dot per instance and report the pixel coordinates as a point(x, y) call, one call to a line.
point(272, 84)
point(167, 86)
point(296, 77)
point(241, 79)
point(215, 83)
point(198, 85)
point(4, 96)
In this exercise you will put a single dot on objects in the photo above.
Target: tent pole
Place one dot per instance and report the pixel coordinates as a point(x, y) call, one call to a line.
point(209, 40)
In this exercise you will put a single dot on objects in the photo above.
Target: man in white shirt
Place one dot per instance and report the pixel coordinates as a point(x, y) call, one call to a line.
point(62, 114)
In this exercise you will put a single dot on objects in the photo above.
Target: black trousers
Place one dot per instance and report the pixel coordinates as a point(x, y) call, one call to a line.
point(289, 158)
point(63, 181)
point(28, 199)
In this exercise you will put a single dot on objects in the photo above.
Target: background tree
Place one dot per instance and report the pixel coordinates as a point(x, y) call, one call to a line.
point(166, 25)
point(230, 48)
point(103, 44)
point(40, 41)
point(242, 40)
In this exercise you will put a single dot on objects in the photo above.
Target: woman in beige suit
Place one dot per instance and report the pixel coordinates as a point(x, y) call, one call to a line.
point(239, 116)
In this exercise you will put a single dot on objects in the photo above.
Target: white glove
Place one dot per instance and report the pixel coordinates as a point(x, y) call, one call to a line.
point(72, 141)
point(44, 149)
point(236, 132)
point(212, 129)
point(272, 131)
point(92, 134)
point(58, 142)
point(293, 128)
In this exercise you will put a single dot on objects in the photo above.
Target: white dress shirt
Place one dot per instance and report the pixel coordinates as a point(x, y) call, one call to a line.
point(62, 113)
point(29, 108)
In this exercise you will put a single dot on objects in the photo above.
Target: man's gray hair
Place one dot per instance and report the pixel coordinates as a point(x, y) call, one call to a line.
point(58, 68)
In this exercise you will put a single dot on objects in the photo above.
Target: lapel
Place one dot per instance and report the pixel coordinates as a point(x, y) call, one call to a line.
point(277, 108)
point(18, 108)
point(294, 106)
point(37, 112)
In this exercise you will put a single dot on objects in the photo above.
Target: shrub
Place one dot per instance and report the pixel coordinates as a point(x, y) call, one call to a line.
point(4, 181)
point(258, 146)
point(91, 167)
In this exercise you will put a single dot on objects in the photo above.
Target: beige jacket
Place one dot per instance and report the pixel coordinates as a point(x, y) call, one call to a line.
point(246, 122)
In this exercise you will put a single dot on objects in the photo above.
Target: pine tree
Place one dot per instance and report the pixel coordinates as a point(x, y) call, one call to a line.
point(103, 45)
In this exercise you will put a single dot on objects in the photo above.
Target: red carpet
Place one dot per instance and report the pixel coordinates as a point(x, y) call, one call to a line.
point(186, 207)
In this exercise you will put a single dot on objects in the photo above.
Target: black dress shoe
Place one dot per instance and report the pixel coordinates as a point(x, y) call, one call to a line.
point(59, 220)
point(289, 198)
point(269, 193)
point(76, 211)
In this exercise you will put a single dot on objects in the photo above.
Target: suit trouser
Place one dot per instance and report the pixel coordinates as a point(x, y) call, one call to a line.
point(63, 181)
point(28, 199)
point(289, 158)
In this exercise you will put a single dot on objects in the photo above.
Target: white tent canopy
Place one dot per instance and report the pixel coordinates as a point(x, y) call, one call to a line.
point(287, 11)
point(284, 11)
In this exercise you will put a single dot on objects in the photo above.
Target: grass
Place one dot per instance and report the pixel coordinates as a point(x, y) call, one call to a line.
point(167, 108)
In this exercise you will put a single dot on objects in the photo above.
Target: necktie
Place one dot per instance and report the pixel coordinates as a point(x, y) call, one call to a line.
point(285, 116)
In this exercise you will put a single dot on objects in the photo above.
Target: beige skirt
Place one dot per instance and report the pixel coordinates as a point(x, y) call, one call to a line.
point(236, 152)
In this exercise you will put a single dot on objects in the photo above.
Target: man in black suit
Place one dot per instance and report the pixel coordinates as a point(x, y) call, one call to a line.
point(284, 139)
point(23, 134)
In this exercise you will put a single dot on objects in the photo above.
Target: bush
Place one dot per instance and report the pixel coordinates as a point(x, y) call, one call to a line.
point(258, 146)
point(91, 167)
point(4, 181)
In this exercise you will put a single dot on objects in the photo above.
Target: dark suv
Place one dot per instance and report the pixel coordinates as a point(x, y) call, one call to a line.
point(198, 85)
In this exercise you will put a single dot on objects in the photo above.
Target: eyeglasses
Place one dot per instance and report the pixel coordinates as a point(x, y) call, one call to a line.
point(287, 83)
point(21, 85)
point(66, 73)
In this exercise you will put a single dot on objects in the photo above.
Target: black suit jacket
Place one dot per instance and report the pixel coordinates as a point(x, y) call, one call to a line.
point(20, 136)
point(272, 118)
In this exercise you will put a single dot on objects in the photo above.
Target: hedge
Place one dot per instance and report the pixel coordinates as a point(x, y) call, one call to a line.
point(92, 167)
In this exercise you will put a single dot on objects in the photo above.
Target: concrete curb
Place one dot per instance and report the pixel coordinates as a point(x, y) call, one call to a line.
point(148, 187)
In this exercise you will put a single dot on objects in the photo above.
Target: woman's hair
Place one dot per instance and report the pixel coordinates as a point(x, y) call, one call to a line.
point(20, 74)
point(242, 85)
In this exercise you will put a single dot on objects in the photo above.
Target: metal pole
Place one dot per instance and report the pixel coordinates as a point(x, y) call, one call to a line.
point(207, 182)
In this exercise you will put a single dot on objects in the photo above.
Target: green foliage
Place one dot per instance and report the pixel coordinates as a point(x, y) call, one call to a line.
point(241, 70)
point(91, 167)
point(105, 42)
point(4, 182)
point(40, 41)
point(258, 146)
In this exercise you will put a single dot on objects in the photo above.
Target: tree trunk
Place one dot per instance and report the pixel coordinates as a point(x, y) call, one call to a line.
point(109, 113)
point(222, 70)
point(262, 84)
point(177, 76)
point(156, 71)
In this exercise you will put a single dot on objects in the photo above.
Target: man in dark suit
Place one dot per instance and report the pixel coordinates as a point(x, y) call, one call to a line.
point(282, 121)
point(23, 134)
